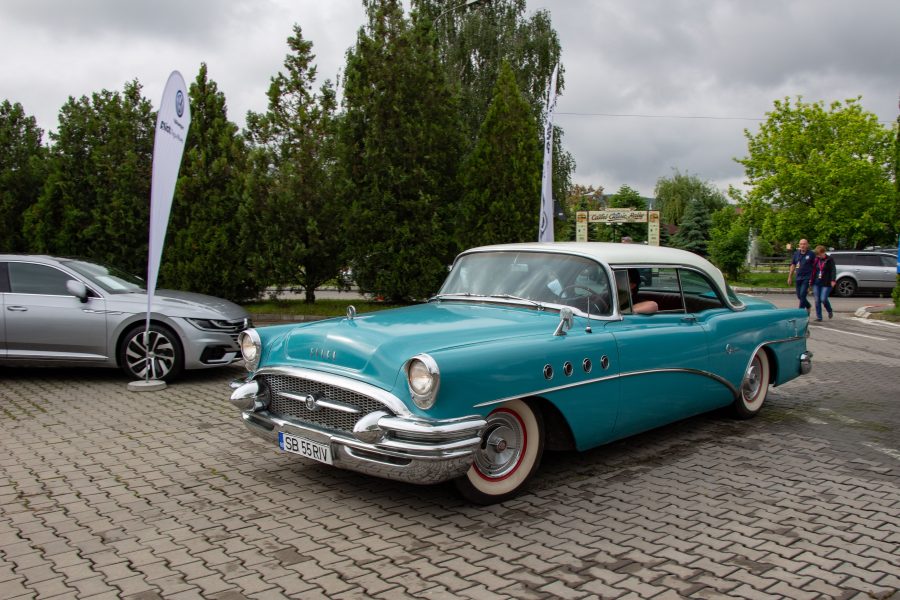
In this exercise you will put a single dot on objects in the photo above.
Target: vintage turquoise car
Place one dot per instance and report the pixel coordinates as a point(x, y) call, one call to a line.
point(526, 347)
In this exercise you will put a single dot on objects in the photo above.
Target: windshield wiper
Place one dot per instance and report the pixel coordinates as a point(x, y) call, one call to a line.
point(501, 296)
point(456, 295)
point(511, 297)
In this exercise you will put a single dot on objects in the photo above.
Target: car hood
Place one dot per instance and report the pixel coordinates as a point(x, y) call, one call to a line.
point(175, 303)
point(375, 346)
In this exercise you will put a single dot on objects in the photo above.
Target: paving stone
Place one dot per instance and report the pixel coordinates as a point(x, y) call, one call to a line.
point(770, 507)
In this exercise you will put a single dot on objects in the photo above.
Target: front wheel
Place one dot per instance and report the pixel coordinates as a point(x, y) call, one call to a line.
point(164, 360)
point(845, 288)
point(754, 387)
point(510, 453)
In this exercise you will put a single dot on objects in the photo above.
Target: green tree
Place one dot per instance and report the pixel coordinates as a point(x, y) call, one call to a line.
point(96, 199)
point(203, 251)
point(823, 174)
point(729, 242)
point(400, 149)
point(502, 175)
point(693, 233)
point(22, 172)
point(675, 193)
point(293, 186)
point(475, 41)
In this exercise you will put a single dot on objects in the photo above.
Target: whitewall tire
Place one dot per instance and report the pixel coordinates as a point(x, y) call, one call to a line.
point(510, 453)
point(754, 387)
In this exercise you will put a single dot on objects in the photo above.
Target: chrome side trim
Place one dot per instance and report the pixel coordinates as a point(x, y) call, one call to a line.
point(712, 376)
point(762, 344)
point(389, 400)
point(546, 390)
point(735, 392)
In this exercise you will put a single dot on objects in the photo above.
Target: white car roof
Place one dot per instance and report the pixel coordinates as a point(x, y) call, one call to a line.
point(615, 255)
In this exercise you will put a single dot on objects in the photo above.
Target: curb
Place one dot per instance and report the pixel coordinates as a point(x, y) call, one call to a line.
point(746, 290)
point(281, 319)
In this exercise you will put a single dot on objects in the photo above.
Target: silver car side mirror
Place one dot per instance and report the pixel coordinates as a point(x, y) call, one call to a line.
point(77, 289)
point(566, 320)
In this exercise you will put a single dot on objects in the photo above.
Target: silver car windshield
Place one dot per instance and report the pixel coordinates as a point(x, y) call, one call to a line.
point(111, 279)
point(537, 277)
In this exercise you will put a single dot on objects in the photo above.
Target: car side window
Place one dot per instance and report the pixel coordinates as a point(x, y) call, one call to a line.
point(623, 291)
point(699, 293)
point(888, 261)
point(31, 278)
point(653, 284)
point(869, 260)
point(4, 278)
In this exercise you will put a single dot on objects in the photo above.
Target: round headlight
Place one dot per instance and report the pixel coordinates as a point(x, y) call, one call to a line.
point(251, 346)
point(420, 378)
point(423, 377)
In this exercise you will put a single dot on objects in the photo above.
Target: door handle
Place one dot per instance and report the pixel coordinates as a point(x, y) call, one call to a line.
point(17, 308)
point(689, 319)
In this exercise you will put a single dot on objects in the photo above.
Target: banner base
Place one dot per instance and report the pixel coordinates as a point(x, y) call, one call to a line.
point(153, 385)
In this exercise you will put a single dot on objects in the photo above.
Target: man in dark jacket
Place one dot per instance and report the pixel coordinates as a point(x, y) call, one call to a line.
point(823, 279)
point(801, 266)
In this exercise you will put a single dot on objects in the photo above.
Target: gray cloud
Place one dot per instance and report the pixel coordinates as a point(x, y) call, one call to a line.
point(708, 58)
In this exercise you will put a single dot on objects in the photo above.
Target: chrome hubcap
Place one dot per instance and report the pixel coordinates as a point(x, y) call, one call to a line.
point(501, 447)
point(159, 360)
point(752, 381)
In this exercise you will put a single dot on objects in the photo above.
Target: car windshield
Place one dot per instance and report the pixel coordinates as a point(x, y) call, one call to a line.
point(538, 277)
point(111, 279)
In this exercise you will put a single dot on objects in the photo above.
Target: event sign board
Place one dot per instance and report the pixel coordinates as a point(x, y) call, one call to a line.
point(615, 216)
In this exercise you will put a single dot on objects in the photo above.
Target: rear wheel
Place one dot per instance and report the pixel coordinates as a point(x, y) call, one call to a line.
point(845, 287)
point(165, 359)
point(510, 453)
point(754, 387)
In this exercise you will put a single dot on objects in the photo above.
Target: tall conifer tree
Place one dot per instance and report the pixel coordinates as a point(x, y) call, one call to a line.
point(401, 141)
point(292, 186)
point(502, 175)
point(96, 200)
point(22, 172)
point(203, 250)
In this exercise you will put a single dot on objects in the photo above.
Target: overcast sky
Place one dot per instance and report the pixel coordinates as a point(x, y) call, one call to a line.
point(665, 61)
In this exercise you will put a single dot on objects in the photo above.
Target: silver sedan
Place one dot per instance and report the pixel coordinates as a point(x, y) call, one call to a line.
point(59, 311)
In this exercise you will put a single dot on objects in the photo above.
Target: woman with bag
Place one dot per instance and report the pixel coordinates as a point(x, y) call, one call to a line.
point(823, 281)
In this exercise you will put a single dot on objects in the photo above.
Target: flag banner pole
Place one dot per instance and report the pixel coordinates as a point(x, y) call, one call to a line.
point(545, 229)
point(172, 123)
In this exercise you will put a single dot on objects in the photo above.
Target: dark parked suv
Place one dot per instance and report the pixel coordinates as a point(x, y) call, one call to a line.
point(864, 271)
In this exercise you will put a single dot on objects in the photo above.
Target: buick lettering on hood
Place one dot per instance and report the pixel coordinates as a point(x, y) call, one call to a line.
point(525, 348)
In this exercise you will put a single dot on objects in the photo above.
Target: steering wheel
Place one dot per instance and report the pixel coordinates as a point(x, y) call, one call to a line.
point(600, 304)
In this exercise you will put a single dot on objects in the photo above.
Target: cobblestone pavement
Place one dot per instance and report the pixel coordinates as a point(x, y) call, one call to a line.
point(106, 493)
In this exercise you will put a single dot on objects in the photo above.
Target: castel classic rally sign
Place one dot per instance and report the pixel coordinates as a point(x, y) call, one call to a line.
point(615, 216)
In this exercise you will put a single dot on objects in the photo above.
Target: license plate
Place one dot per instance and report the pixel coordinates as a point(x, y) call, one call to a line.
point(304, 447)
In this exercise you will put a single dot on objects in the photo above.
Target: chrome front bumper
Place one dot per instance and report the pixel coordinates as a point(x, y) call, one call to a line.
point(415, 451)
point(385, 440)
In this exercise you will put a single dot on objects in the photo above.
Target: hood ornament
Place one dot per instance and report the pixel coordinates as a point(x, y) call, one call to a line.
point(351, 312)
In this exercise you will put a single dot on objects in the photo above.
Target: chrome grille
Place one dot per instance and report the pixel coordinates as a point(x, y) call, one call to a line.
point(324, 417)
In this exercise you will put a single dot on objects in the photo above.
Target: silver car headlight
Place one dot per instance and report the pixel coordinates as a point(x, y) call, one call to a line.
point(423, 378)
point(251, 348)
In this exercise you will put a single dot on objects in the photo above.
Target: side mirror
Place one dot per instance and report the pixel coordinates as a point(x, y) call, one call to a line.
point(77, 289)
point(566, 320)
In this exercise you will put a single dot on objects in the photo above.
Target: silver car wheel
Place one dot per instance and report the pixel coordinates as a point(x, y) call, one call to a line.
point(161, 359)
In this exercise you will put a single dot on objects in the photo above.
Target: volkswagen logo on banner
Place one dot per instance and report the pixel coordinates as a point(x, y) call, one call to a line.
point(179, 103)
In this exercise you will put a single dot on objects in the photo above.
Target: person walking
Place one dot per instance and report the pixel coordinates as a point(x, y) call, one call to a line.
point(801, 266)
point(823, 279)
